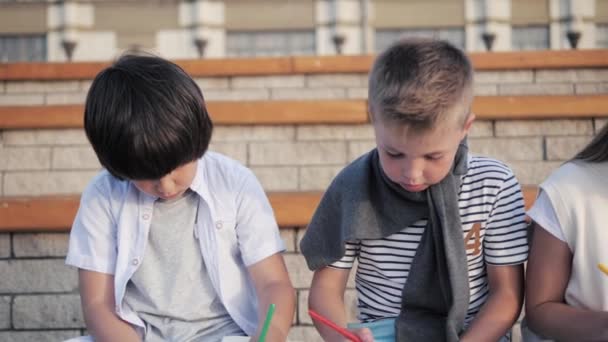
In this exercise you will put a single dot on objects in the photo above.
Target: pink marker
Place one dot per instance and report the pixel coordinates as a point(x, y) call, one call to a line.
point(342, 331)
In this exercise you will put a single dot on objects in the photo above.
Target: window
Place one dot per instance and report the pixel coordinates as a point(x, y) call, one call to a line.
point(385, 37)
point(601, 36)
point(270, 43)
point(534, 37)
point(22, 48)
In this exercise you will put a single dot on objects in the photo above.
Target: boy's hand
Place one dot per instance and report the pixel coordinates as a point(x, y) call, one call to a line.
point(364, 334)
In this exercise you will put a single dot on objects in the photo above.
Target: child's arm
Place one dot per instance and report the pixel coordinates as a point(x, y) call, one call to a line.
point(548, 273)
point(97, 296)
point(327, 298)
point(273, 286)
point(502, 308)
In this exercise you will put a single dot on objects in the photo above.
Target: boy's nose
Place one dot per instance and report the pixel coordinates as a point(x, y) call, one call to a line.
point(412, 171)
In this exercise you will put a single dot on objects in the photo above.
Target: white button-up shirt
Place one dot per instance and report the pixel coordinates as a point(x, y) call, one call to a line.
point(235, 227)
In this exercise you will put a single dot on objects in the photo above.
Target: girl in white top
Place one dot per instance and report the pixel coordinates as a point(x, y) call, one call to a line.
point(567, 292)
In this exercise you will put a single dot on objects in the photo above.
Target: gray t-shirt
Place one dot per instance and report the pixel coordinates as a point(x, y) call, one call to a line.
point(171, 290)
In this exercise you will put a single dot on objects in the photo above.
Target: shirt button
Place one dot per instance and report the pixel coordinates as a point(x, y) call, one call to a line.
point(135, 262)
point(219, 224)
point(145, 216)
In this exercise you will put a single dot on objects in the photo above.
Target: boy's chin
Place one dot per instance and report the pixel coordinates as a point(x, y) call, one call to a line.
point(414, 188)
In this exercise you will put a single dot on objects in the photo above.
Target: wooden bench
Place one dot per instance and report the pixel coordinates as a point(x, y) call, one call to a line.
point(274, 112)
point(56, 213)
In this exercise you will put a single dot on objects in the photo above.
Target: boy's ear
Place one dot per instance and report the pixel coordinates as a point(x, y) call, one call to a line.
point(467, 124)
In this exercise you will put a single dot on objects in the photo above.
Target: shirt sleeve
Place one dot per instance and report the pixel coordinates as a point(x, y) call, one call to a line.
point(543, 213)
point(350, 255)
point(506, 231)
point(256, 227)
point(92, 243)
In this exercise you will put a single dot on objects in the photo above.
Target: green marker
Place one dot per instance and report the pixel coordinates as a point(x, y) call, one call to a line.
point(269, 314)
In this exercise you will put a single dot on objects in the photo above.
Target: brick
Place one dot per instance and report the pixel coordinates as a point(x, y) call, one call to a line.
point(482, 129)
point(519, 128)
point(335, 132)
point(5, 245)
point(40, 275)
point(536, 89)
point(21, 99)
point(599, 124)
point(564, 148)
point(358, 148)
point(591, 88)
point(482, 89)
point(292, 81)
point(277, 178)
point(65, 98)
point(307, 93)
point(551, 76)
point(212, 83)
point(45, 137)
point(252, 133)
point(25, 158)
point(508, 149)
point(36, 183)
point(2, 87)
point(592, 75)
point(303, 334)
point(85, 85)
point(47, 311)
point(571, 75)
point(289, 238)
point(40, 245)
point(300, 153)
point(41, 87)
point(356, 93)
point(317, 178)
point(299, 273)
point(500, 77)
point(5, 312)
point(69, 158)
point(350, 303)
point(236, 95)
point(236, 151)
point(336, 80)
point(533, 173)
point(38, 336)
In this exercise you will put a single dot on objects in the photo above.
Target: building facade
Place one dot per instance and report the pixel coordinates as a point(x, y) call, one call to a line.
point(63, 30)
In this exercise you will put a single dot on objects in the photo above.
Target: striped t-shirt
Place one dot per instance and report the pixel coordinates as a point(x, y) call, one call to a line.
point(494, 229)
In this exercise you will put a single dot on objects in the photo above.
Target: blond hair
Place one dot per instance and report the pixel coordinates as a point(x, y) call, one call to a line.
point(416, 81)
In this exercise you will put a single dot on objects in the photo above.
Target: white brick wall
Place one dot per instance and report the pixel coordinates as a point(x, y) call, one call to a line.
point(307, 93)
point(521, 128)
point(5, 312)
point(252, 133)
point(335, 132)
point(38, 336)
point(47, 311)
point(74, 158)
point(295, 81)
point(297, 153)
point(40, 245)
point(32, 183)
point(508, 149)
point(21, 99)
point(317, 178)
point(536, 89)
point(344, 80)
point(5, 245)
point(564, 148)
point(277, 178)
point(25, 158)
point(37, 275)
point(15, 87)
point(45, 137)
point(514, 76)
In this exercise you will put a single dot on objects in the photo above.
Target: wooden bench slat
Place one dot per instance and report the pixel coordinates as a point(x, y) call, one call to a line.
point(56, 213)
point(227, 67)
point(324, 111)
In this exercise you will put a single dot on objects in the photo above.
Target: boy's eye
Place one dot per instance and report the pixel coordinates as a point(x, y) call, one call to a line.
point(394, 155)
point(433, 157)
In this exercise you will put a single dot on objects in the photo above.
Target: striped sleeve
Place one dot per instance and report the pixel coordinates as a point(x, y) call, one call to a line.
point(505, 241)
point(350, 255)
